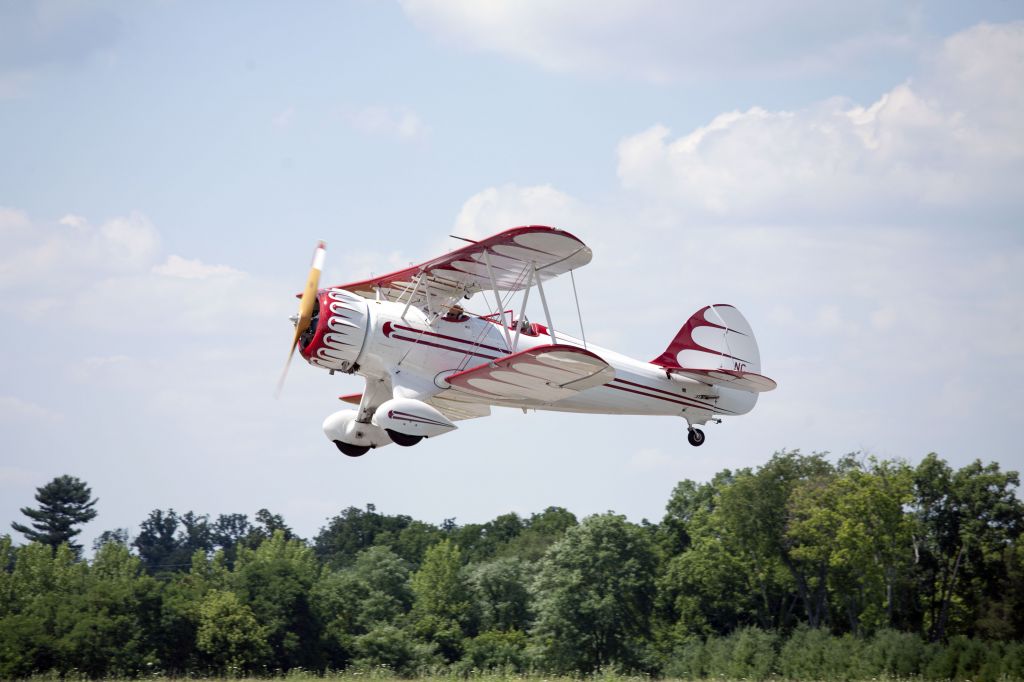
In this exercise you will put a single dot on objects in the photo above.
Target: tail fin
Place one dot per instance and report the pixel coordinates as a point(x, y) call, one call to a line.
point(715, 337)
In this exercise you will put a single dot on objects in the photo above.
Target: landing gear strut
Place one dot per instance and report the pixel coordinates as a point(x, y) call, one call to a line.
point(695, 436)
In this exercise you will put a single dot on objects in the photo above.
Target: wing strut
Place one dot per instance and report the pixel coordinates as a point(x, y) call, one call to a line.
point(522, 311)
point(419, 280)
point(497, 298)
point(543, 301)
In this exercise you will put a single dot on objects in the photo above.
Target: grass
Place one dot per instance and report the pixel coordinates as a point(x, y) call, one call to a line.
point(386, 675)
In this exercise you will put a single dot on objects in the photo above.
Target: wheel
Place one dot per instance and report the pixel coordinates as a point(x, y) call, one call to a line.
point(403, 439)
point(696, 437)
point(352, 450)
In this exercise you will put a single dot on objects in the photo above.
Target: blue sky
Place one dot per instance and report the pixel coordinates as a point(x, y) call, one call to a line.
point(849, 177)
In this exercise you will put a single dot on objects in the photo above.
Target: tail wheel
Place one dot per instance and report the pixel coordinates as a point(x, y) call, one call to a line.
point(696, 437)
point(403, 439)
point(352, 450)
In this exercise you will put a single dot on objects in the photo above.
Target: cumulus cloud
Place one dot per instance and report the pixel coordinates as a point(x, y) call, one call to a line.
point(497, 208)
point(176, 266)
point(952, 139)
point(820, 224)
point(17, 409)
point(110, 275)
point(403, 124)
point(659, 41)
point(66, 253)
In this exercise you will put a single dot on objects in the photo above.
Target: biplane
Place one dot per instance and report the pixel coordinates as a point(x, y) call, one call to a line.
point(429, 363)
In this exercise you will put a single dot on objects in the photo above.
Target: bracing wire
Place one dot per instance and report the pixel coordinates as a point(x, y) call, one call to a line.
point(506, 300)
point(579, 313)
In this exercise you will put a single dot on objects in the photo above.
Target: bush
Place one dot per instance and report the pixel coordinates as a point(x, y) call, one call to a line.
point(895, 654)
point(753, 654)
point(395, 649)
point(815, 654)
point(687, 661)
point(1013, 661)
point(967, 659)
point(494, 650)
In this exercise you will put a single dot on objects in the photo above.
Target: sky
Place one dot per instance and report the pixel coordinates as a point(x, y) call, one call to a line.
point(851, 177)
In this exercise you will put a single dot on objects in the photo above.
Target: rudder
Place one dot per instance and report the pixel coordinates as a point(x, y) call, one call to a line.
point(715, 337)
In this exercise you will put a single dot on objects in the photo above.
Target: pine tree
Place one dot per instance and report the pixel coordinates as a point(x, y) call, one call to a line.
point(63, 504)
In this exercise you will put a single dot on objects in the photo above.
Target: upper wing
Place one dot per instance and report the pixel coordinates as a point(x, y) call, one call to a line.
point(463, 272)
point(544, 374)
point(730, 378)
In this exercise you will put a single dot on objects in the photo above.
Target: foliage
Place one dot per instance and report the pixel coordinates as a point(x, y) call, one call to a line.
point(594, 594)
point(441, 606)
point(63, 504)
point(808, 567)
point(228, 634)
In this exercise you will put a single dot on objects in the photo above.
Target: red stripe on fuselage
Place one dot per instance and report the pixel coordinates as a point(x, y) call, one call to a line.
point(443, 347)
point(683, 402)
point(668, 393)
point(446, 338)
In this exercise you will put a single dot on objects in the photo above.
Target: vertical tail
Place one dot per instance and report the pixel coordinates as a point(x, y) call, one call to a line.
point(715, 337)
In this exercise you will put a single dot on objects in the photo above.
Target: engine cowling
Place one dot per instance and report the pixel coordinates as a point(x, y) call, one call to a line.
point(337, 332)
point(352, 437)
point(406, 420)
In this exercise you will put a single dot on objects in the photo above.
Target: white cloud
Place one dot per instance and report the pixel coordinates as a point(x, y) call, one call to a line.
point(72, 247)
point(16, 409)
point(497, 208)
point(955, 140)
point(110, 276)
point(884, 330)
point(663, 41)
point(401, 123)
point(13, 222)
point(176, 266)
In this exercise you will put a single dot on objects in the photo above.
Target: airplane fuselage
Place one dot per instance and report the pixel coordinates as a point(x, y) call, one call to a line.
point(414, 350)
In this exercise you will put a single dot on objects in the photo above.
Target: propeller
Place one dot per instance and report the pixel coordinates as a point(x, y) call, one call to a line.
point(306, 304)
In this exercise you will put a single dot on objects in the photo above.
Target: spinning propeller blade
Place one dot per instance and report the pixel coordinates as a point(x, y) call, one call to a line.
point(305, 308)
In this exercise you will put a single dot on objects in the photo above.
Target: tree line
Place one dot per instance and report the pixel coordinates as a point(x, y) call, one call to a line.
point(800, 568)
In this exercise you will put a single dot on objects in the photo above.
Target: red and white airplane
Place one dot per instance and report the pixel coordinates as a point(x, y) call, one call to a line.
point(428, 363)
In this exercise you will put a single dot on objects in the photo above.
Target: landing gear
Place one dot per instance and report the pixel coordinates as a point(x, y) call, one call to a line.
point(403, 439)
point(695, 436)
point(352, 450)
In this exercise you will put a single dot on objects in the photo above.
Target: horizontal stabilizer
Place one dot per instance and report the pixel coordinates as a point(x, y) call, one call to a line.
point(542, 375)
point(730, 378)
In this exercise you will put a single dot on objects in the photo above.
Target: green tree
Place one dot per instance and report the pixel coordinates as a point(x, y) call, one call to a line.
point(41, 587)
point(352, 601)
point(854, 521)
point(969, 522)
point(229, 635)
point(754, 511)
point(356, 529)
point(541, 531)
point(482, 541)
point(63, 504)
point(594, 593)
point(501, 594)
point(110, 624)
point(275, 581)
point(441, 600)
point(157, 542)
